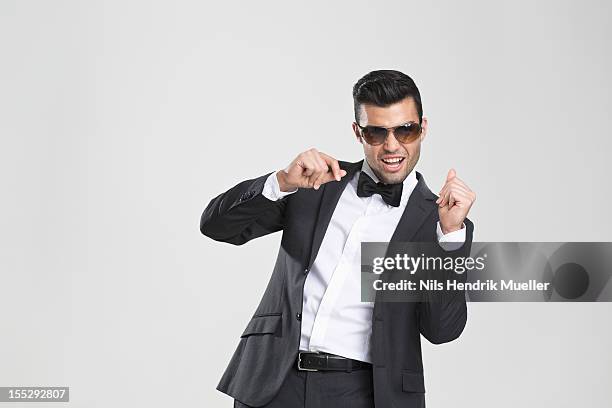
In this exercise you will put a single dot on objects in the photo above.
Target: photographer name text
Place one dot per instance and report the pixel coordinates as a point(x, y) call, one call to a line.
point(480, 285)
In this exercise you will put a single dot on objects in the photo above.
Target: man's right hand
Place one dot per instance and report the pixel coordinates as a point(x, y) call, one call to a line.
point(309, 169)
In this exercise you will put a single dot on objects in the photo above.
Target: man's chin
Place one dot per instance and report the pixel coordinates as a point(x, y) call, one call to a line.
point(393, 178)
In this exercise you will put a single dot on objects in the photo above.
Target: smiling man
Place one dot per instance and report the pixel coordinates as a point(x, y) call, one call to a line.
point(312, 342)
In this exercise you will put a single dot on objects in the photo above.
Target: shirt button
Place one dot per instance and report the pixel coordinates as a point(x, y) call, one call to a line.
point(298, 316)
point(306, 271)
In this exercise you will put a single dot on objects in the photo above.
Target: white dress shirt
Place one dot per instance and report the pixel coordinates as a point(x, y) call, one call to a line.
point(334, 319)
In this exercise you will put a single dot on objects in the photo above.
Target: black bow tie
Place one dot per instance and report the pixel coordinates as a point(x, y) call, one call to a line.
point(390, 193)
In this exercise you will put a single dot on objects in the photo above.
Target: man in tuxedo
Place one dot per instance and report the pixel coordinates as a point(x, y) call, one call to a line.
point(312, 342)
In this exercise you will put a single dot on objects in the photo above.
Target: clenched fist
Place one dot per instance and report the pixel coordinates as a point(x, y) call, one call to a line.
point(454, 203)
point(309, 169)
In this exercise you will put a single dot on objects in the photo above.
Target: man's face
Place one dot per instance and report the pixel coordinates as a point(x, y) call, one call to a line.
point(382, 158)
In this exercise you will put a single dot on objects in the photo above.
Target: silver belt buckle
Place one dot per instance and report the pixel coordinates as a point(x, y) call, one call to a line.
point(299, 364)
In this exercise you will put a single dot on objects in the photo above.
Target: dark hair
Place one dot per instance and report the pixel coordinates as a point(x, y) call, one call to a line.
point(383, 88)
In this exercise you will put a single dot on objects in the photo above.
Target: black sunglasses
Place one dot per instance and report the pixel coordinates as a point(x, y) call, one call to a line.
point(376, 135)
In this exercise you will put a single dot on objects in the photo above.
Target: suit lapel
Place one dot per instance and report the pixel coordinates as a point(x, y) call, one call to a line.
point(331, 194)
point(419, 206)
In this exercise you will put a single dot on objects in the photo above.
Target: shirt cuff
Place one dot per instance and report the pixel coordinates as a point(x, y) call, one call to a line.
point(271, 189)
point(451, 241)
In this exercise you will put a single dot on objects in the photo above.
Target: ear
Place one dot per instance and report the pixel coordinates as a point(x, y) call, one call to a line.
point(424, 126)
point(357, 132)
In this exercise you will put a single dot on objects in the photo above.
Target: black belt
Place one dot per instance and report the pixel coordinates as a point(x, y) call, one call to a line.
point(316, 361)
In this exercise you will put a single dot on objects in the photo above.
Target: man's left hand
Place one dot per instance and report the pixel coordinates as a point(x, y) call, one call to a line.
point(454, 203)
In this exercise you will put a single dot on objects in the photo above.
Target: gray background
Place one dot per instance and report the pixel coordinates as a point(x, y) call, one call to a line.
point(120, 120)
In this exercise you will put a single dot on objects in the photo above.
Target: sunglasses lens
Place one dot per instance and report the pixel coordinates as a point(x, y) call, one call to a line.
point(408, 132)
point(374, 135)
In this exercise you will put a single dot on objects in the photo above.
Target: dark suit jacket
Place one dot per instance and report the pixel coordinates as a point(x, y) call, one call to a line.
point(269, 344)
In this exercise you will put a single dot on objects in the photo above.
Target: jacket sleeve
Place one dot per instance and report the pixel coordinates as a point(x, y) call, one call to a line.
point(242, 213)
point(442, 315)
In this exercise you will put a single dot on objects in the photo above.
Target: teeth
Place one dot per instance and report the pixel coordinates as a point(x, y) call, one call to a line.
point(393, 160)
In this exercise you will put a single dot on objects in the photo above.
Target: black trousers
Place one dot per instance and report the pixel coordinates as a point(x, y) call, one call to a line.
point(323, 389)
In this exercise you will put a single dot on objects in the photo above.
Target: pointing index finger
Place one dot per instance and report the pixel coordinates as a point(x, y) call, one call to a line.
point(333, 164)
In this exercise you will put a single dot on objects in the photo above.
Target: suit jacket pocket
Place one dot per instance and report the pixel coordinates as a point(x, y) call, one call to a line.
point(413, 382)
point(264, 324)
